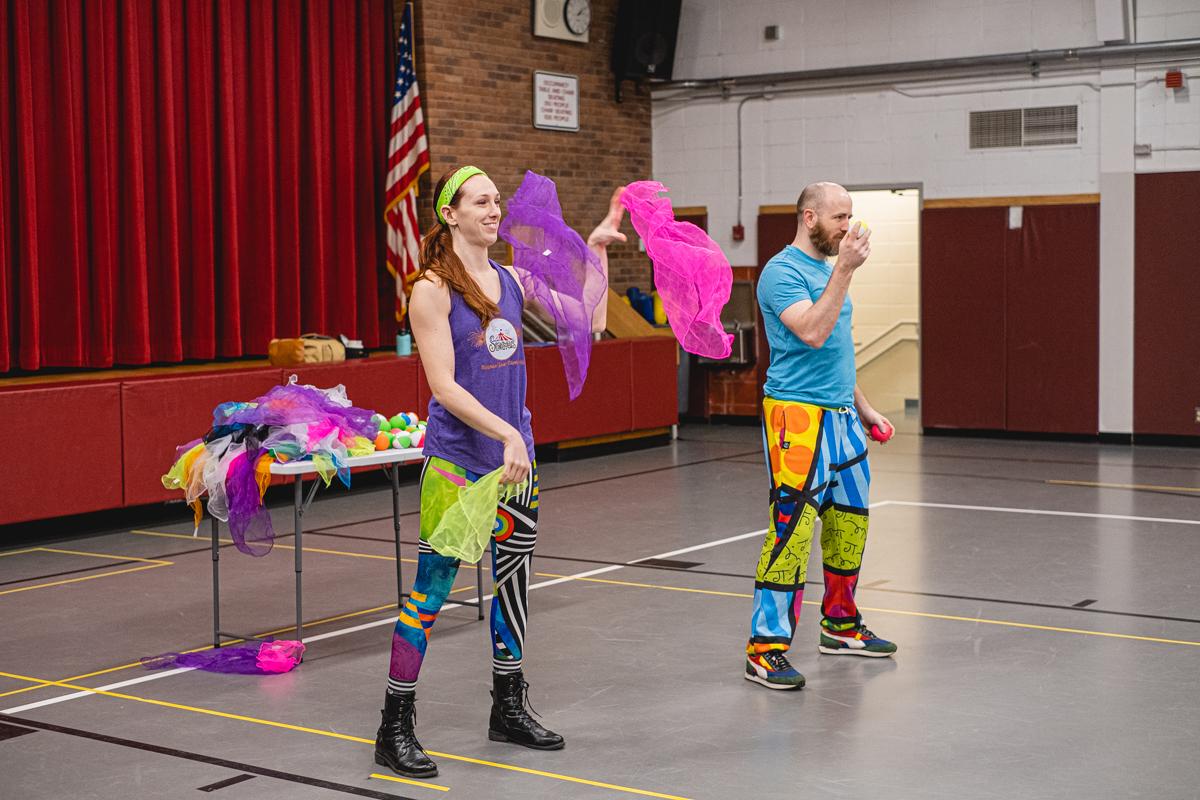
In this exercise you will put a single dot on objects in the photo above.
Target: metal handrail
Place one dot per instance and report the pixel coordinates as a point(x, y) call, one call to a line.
point(915, 323)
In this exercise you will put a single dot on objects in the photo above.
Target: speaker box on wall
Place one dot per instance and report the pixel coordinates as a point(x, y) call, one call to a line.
point(644, 43)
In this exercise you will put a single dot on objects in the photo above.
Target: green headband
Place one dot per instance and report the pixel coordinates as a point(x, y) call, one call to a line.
point(452, 186)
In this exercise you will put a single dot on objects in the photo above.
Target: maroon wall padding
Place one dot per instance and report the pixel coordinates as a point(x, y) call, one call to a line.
point(159, 414)
point(135, 425)
point(39, 483)
point(604, 406)
point(1052, 301)
point(962, 317)
point(1166, 367)
point(775, 231)
point(386, 384)
point(655, 382)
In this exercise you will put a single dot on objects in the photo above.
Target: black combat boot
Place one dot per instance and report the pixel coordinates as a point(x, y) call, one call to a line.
point(510, 720)
point(396, 745)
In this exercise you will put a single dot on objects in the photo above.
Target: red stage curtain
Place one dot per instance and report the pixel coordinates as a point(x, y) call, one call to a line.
point(186, 179)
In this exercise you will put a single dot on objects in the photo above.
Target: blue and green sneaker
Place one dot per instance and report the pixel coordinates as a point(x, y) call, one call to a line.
point(773, 671)
point(856, 641)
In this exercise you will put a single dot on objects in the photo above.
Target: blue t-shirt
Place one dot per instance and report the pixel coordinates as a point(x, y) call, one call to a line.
point(822, 376)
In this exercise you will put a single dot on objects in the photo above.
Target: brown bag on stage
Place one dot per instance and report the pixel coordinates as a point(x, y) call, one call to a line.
point(311, 348)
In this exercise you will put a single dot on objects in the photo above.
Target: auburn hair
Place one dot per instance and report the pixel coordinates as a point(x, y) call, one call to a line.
point(438, 257)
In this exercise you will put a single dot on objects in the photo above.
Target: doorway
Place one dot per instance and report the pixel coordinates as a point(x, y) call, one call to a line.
point(887, 300)
point(885, 292)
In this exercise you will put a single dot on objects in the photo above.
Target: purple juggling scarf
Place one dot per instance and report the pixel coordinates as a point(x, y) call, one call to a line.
point(557, 269)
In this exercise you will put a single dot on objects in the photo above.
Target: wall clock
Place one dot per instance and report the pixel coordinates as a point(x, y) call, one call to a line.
point(568, 20)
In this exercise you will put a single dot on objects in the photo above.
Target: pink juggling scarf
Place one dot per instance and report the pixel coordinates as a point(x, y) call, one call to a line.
point(691, 274)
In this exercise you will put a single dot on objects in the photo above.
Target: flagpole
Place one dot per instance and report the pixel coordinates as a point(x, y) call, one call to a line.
point(401, 287)
point(409, 147)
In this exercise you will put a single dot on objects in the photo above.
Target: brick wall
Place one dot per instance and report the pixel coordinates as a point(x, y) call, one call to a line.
point(475, 64)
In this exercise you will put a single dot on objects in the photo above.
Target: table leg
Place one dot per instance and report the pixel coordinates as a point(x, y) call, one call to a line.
point(216, 559)
point(395, 475)
point(479, 585)
point(298, 512)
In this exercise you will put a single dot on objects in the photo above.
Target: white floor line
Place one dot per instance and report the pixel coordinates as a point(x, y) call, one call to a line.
point(109, 688)
point(1046, 512)
point(392, 620)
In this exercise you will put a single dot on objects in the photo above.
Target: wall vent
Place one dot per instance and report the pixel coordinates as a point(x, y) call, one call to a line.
point(1025, 127)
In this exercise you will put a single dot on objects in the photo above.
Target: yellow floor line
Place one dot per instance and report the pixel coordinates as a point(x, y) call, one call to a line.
point(1150, 486)
point(314, 623)
point(103, 555)
point(21, 552)
point(334, 735)
point(557, 776)
point(422, 784)
point(1024, 625)
point(109, 670)
point(279, 545)
point(924, 614)
point(86, 578)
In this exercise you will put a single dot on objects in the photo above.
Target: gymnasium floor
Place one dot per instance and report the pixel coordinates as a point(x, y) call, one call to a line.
point(1049, 633)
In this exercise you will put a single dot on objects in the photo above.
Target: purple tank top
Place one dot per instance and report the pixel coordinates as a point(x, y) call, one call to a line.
point(490, 364)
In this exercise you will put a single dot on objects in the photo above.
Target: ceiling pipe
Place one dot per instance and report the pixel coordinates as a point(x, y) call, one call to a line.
point(1032, 61)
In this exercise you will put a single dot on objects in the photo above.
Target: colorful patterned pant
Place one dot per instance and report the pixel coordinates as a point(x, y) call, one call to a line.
point(512, 552)
point(818, 463)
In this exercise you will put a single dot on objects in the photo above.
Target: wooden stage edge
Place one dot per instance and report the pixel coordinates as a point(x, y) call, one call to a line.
point(612, 437)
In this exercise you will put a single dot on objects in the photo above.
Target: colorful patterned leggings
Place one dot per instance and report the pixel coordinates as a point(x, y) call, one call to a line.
point(512, 552)
point(818, 463)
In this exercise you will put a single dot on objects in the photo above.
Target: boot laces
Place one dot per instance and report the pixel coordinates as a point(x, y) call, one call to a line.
point(406, 721)
point(524, 698)
point(517, 704)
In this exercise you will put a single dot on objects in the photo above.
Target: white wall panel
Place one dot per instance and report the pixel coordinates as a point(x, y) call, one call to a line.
point(919, 133)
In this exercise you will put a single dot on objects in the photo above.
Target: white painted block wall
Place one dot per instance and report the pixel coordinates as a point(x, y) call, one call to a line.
point(903, 134)
point(906, 134)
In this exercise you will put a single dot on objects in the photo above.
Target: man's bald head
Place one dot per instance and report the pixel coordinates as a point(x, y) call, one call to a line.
point(824, 210)
point(816, 195)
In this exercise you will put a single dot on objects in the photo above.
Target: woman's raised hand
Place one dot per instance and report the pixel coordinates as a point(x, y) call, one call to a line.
point(609, 229)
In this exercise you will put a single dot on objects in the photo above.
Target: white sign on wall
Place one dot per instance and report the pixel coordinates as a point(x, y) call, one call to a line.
point(555, 101)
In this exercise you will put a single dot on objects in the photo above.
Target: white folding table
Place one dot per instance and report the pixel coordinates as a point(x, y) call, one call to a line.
point(390, 461)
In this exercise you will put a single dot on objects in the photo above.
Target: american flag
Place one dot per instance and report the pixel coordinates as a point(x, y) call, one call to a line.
point(408, 157)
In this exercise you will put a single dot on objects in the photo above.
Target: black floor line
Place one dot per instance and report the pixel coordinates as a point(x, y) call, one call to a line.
point(369, 520)
point(324, 531)
point(13, 731)
point(1022, 460)
point(883, 470)
point(1014, 479)
point(1030, 604)
point(741, 576)
point(1018, 459)
point(670, 563)
point(236, 766)
point(236, 779)
point(874, 588)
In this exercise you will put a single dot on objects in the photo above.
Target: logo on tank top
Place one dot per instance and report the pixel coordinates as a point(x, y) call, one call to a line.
point(501, 339)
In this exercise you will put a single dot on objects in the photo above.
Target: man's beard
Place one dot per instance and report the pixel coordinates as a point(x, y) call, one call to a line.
point(826, 242)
